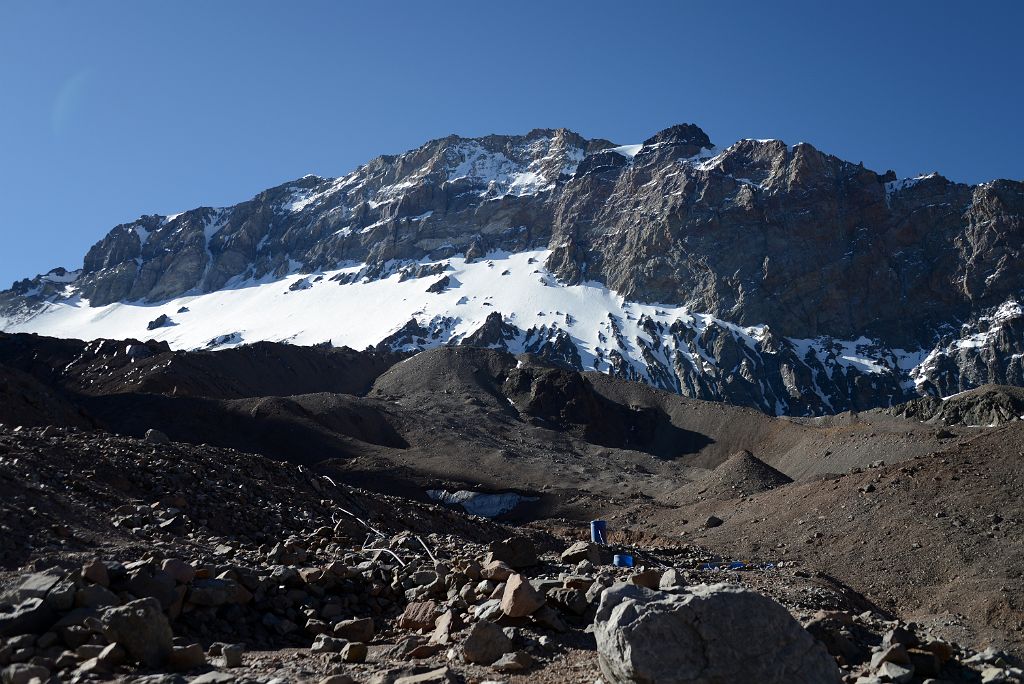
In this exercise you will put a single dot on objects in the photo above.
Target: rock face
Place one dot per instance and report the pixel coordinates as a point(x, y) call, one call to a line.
point(716, 634)
point(990, 405)
point(821, 286)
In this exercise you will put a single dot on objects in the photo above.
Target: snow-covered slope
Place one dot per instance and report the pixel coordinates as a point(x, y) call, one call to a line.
point(509, 301)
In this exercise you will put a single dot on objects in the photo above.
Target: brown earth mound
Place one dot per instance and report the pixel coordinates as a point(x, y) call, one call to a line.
point(742, 474)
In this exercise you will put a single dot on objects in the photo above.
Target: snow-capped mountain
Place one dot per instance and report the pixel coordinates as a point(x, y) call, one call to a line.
point(762, 274)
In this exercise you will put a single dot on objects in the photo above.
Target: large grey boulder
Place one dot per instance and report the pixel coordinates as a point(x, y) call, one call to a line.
point(717, 634)
point(142, 629)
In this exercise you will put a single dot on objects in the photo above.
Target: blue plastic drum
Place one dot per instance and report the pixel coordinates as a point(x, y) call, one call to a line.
point(622, 561)
point(597, 531)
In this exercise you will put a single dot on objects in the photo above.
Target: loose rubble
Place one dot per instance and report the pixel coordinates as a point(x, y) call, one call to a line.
point(271, 572)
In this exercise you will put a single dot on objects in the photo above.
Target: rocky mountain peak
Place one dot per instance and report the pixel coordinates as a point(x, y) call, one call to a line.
point(690, 137)
point(667, 261)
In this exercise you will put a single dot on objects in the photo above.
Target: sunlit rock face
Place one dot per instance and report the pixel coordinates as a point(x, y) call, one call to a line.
point(763, 274)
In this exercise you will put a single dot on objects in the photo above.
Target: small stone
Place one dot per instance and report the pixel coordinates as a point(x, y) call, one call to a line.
point(496, 570)
point(182, 572)
point(899, 635)
point(326, 644)
point(65, 660)
point(337, 679)
point(649, 578)
point(354, 652)
point(213, 592)
point(232, 654)
point(361, 629)
point(485, 643)
point(423, 651)
point(513, 662)
point(441, 675)
point(184, 658)
point(113, 655)
point(86, 651)
point(713, 521)
point(894, 654)
point(23, 673)
point(943, 650)
point(443, 628)
point(214, 677)
point(419, 615)
point(582, 551)
point(74, 636)
point(405, 646)
point(95, 596)
point(517, 552)
point(569, 600)
point(92, 667)
point(893, 672)
point(23, 641)
point(546, 616)
point(520, 598)
point(314, 627)
point(62, 596)
point(156, 437)
point(584, 567)
point(96, 572)
point(671, 578)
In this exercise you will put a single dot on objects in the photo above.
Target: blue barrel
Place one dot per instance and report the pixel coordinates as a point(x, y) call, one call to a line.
point(597, 530)
point(622, 561)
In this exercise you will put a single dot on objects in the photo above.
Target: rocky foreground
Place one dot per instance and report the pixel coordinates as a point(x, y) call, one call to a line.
point(144, 560)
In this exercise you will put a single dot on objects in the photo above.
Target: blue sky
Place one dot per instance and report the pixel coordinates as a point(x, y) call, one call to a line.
point(111, 109)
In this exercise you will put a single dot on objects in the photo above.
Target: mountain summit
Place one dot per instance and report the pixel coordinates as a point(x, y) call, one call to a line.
point(763, 274)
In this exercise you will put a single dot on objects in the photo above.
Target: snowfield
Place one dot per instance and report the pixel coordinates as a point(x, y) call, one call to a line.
point(361, 314)
point(315, 308)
